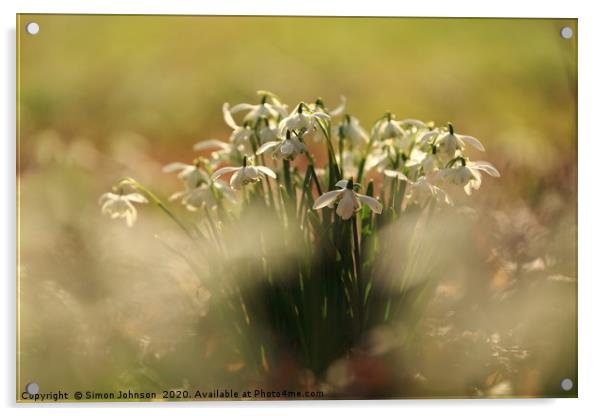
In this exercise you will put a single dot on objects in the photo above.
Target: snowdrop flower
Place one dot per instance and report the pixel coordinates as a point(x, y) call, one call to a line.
point(120, 205)
point(267, 131)
point(386, 153)
point(268, 110)
point(319, 106)
point(347, 200)
point(431, 163)
point(428, 162)
point(377, 159)
point(303, 119)
point(241, 135)
point(224, 152)
point(244, 174)
point(413, 124)
point(195, 198)
point(422, 191)
point(424, 139)
point(288, 149)
point(387, 128)
point(449, 142)
point(212, 144)
point(350, 128)
point(468, 174)
point(191, 175)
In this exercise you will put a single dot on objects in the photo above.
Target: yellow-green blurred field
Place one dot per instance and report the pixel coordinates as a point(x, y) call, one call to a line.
point(102, 97)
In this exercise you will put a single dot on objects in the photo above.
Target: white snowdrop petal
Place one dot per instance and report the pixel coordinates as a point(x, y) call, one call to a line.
point(223, 171)
point(211, 144)
point(300, 146)
point(477, 178)
point(237, 179)
point(130, 218)
point(472, 141)
point(250, 172)
point(412, 122)
point(242, 107)
point(177, 195)
point(107, 197)
point(228, 116)
point(321, 115)
point(287, 148)
point(486, 167)
point(326, 199)
point(175, 166)
point(468, 189)
point(427, 136)
point(136, 197)
point(347, 205)
point(339, 110)
point(266, 146)
point(105, 209)
point(266, 171)
point(374, 205)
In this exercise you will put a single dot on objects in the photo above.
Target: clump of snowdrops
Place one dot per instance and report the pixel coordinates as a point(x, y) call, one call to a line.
point(313, 286)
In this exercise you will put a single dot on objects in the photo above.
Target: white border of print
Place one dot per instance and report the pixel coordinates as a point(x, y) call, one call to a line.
point(590, 273)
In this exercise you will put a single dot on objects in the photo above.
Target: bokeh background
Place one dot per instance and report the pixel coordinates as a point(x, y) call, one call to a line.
point(101, 97)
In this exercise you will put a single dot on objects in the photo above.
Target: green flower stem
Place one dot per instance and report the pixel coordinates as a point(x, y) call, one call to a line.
point(358, 274)
point(286, 170)
point(310, 166)
point(341, 155)
point(332, 161)
point(360, 170)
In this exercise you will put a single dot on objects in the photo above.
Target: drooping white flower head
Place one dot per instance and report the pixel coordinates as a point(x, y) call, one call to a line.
point(241, 135)
point(302, 119)
point(387, 128)
point(386, 153)
point(347, 201)
point(318, 106)
point(468, 174)
point(413, 124)
point(427, 139)
point(225, 152)
point(191, 175)
point(270, 108)
point(288, 148)
point(202, 195)
point(449, 142)
point(377, 159)
point(422, 192)
point(244, 175)
point(350, 129)
point(267, 131)
point(421, 162)
point(117, 205)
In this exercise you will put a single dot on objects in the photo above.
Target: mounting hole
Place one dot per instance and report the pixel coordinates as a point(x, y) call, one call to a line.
point(566, 32)
point(32, 28)
point(566, 384)
point(32, 388)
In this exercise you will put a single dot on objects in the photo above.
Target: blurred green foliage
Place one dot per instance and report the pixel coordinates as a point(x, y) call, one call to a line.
point(166, 77)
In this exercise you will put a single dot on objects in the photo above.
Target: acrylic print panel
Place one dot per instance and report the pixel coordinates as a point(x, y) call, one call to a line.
point(296, 208)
